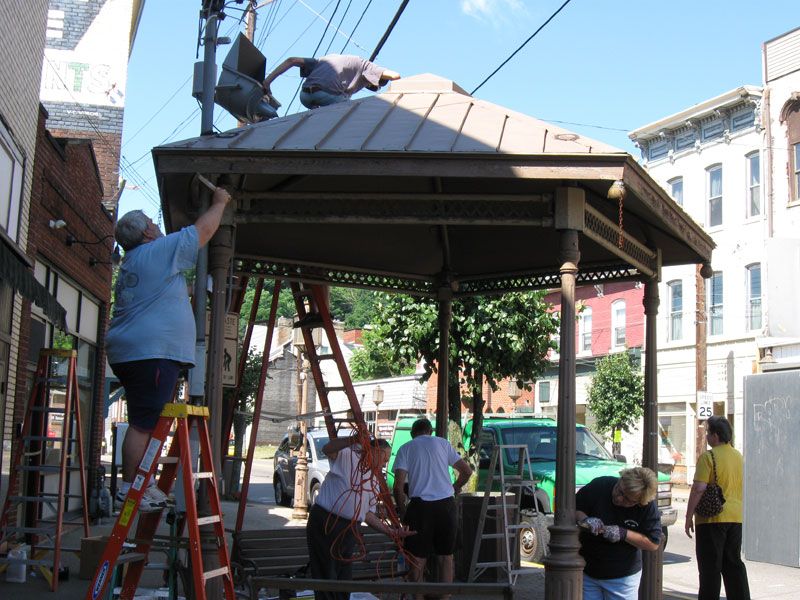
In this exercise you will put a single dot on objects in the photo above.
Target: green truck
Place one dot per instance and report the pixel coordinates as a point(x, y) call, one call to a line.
point(539, 435)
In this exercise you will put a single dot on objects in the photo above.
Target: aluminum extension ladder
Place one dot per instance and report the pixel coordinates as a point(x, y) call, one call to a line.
point(510, 486)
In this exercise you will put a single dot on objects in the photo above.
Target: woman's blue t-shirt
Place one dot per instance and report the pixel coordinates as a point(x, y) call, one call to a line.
point(152, 314)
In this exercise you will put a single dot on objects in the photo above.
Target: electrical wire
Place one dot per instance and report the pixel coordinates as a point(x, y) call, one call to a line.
point(389, 30)
point(338, 27)
point(352, 33)
point(325, 31)
point(525, 43)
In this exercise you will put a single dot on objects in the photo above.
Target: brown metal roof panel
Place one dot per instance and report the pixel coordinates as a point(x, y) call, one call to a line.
point(483, 129)
point(314, 128)
point(359, 124)
point(522, 136)
point(440, 130)
point(398, 128)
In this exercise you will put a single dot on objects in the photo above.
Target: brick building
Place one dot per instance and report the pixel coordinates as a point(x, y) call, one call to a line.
point(611, 319)
point(70, 244)
point(84, 76)
point(22, 48)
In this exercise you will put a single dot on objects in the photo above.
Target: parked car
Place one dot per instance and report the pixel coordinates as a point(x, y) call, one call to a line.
point(285, 462)
point(539, 435)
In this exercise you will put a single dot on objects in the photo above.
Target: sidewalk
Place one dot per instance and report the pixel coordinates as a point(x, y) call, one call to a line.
point(258, 516)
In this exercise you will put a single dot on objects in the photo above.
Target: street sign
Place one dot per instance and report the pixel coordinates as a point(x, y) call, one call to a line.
point(705, 405)
point(230, 351)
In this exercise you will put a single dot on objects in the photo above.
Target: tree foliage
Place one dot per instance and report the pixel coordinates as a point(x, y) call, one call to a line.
point(491, 338)
point(374, 361)
point(616, 393)
point(354, 307)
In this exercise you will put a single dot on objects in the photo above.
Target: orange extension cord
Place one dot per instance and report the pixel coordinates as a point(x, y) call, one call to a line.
point(364, 478)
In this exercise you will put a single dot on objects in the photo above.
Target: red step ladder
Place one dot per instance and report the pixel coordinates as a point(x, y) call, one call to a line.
point(54, 398)
point(187, 416)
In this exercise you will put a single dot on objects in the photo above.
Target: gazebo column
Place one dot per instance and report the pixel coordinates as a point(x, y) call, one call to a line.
point(220, 253)
point(445, 298)
point(564, 566)
point(652, 562)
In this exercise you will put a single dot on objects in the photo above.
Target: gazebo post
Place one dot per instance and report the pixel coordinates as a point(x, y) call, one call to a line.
point(445, 298)
point(652, 562)
point(220, 253)
point(564, 566)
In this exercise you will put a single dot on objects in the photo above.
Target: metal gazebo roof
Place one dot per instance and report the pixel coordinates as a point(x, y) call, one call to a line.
point(393, 190)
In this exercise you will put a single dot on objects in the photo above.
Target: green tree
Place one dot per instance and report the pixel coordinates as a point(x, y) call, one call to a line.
point(491, 339)
point(374, 361)
point(616, 395)
point(285, 303)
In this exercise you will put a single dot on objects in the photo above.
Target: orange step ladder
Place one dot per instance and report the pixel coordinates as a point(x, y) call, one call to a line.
point(187, 416)
point(54, 403)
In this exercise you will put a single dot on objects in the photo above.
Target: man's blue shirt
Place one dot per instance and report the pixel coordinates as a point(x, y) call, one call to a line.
point(152, 314)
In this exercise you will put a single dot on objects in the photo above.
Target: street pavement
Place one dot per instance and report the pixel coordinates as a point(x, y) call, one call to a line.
point(680, 570)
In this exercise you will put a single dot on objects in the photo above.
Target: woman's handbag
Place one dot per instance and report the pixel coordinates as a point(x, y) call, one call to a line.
point(712, 500)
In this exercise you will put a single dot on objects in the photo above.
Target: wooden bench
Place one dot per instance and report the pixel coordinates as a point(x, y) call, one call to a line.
point(280, 553)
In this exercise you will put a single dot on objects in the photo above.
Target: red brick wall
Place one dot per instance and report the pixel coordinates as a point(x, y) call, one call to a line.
point(107, 151)
point(66, 186)
point(601, 313)
point(493, 401)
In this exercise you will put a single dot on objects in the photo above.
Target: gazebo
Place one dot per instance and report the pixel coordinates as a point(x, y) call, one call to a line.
point(426, 190)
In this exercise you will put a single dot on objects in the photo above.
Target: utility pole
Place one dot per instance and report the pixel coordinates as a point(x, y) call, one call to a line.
point(701, 332)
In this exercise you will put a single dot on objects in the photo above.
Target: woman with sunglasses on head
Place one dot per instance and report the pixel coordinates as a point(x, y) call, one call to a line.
point(619, 518)
point(719, 538)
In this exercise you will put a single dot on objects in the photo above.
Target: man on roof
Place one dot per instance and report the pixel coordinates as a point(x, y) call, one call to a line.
point(332, 78)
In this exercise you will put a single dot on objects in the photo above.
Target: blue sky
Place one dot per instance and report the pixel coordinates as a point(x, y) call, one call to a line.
point(601, 67)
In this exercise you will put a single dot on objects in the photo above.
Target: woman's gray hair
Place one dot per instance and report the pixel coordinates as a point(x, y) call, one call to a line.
point(130, 229)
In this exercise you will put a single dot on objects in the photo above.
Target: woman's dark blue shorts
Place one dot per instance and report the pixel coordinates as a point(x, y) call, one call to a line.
point(149, 385)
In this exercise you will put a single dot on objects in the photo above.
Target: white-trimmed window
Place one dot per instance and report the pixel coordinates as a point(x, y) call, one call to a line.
point(544, 392)
point(715, 304)
point(796, 167)
point(753, 184)
point(714, 176)
point(585, 331)
point(618, 324)
point(675, 309)
point(753, 296)
point(12, 173)
point(676, 189)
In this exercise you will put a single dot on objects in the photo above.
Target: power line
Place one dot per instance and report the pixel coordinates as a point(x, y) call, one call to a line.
point(325, 31)
point(513, 54)
point(162, 107)
point(364, 12)
point(344, 14)
point(389, 29)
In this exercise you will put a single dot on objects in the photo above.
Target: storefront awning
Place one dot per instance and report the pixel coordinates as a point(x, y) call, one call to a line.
point(14, 271)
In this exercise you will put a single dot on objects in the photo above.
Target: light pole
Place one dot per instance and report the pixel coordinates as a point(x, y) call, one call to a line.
point(377, 399)
point(300, 511)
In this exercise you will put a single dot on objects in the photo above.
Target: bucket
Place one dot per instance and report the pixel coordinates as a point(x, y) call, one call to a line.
point(17, 569)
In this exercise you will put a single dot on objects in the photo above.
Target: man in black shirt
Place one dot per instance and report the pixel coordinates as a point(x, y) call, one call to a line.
point(619, 518)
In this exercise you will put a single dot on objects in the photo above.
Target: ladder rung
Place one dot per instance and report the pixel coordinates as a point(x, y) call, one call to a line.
point(208, 520)
point(493, 536)
point(37, 530)
point(45, 438)
point(519, 526)
point(168, 460)
point(215, 573)
point(326, 357)
point(334, 388)
point(44, 498)
point(203, 475)
point(486, 565)
point(27, 561)
point(49, 409)
point(47, 468)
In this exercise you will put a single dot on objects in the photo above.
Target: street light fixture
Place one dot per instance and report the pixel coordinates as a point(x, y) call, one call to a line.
point(377, 399)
